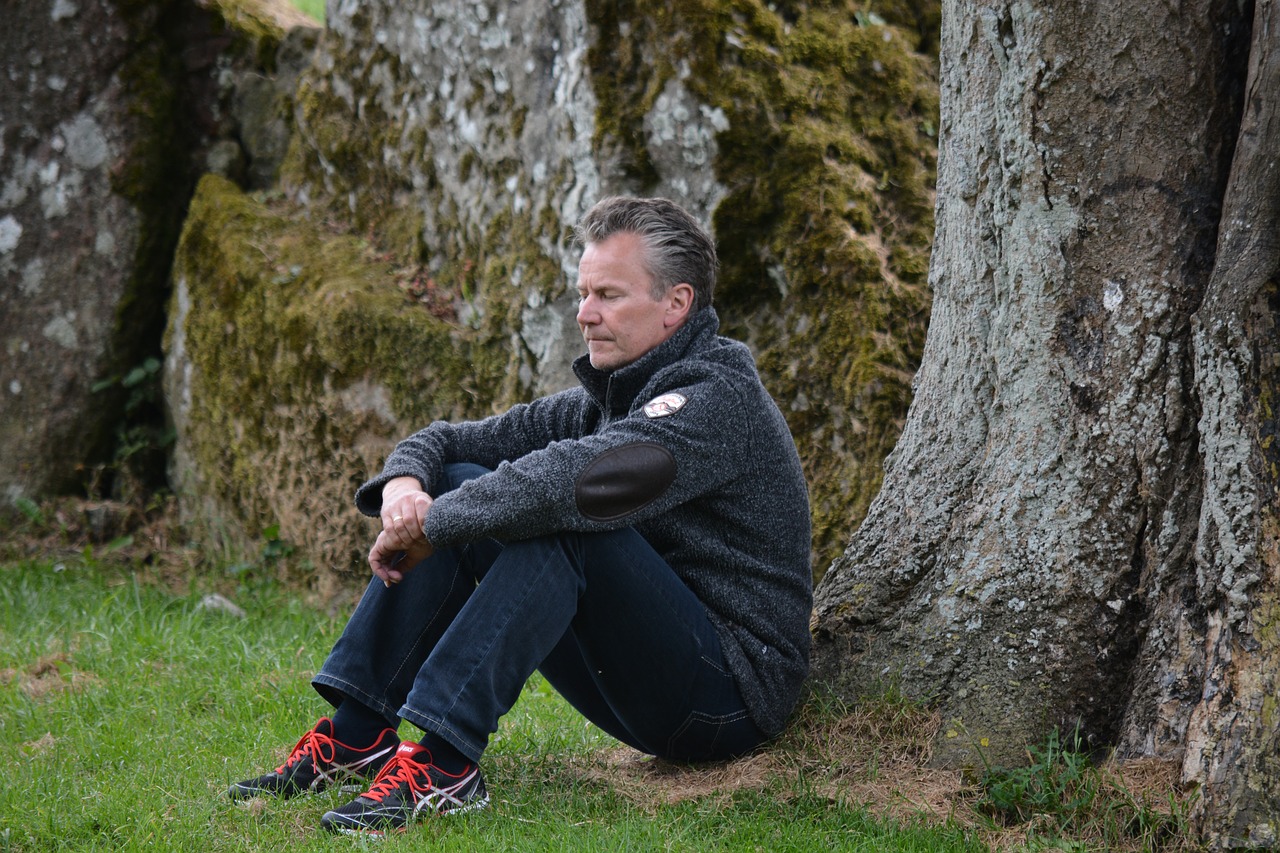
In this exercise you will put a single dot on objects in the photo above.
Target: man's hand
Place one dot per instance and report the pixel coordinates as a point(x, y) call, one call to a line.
point(402, 542)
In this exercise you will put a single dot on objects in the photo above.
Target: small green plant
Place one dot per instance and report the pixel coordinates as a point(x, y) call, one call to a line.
point(1062, 792)
point(142, 437)
point(30, 509)
point(271, 555)
point(274, 548)
point(1057, 782)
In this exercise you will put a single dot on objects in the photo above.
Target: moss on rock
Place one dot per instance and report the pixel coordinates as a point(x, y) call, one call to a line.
point(482, 233)
point(301, 362)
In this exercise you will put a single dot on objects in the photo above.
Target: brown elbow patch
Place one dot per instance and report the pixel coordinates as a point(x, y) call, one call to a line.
point(624, 479)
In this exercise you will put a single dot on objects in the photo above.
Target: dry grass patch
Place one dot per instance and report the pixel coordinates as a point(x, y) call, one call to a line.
point(872, 756)
point(875, 756)
point(47, 677)
point(39, 746)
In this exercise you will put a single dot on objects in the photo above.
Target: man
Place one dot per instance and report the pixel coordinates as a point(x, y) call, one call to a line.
point(642, 540)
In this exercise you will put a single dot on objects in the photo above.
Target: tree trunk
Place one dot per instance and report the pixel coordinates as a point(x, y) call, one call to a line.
point(1078, 525)
point(1233, 739)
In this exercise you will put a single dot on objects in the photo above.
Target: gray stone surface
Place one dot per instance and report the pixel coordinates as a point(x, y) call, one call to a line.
point(492, 114)
point(67, 239)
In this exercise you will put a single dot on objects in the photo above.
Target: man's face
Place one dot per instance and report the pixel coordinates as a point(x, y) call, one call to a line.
point(619, 318)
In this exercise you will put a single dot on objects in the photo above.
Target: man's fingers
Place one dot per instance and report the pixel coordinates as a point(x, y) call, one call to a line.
point(421, 506)
point(384, 558)
point(395, 523)
point(403, 527)
point(402, 543)
point(407, 513)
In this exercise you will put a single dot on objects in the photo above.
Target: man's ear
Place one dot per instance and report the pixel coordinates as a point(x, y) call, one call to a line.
point(680, 304)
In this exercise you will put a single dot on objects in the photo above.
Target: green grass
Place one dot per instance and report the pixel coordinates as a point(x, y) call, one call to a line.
point(125, 711)
point(312, 8)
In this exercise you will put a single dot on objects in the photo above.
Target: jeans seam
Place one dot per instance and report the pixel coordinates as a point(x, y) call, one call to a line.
point(717, 667)
point(717, 720)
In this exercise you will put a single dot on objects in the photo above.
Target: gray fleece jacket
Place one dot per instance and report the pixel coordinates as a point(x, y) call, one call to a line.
point(686, 446)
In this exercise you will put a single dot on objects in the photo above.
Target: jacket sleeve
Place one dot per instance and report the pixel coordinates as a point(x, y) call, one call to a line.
point(656, 458)
point(522, 430)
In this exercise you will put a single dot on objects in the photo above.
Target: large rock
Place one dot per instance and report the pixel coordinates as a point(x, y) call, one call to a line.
point(463, 139)
point(106, 113)
point(460, 136)
point(71, 229)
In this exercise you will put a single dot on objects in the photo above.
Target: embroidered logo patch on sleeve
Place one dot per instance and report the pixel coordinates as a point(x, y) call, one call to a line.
point(663, 405)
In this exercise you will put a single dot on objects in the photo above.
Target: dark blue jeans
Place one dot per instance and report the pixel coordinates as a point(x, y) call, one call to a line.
point(601, 615)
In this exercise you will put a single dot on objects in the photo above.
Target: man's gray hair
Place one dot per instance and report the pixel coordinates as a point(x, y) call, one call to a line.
point(677, 249)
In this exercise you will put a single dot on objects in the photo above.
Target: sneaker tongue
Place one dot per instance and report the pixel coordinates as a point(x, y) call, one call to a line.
point(416, 752)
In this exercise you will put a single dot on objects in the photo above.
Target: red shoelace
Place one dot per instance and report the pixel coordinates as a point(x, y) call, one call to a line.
point(314, 745)
point(401, 768)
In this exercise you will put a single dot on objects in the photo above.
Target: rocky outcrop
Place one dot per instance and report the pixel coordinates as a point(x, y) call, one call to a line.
point(444, 150)
point(460, 136)
point(463, 139)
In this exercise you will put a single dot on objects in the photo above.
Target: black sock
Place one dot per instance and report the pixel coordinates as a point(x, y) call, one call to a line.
point(358, 725)
point(445, 755)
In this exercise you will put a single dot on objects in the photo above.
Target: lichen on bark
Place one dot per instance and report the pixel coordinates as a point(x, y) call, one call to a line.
point(1026, 564)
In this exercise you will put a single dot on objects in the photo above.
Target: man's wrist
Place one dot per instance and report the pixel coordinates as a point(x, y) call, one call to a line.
point(401, 485)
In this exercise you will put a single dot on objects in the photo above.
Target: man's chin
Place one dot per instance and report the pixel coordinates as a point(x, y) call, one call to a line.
point(604, 360)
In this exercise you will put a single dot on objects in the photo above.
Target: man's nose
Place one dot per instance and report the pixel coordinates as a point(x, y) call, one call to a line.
point(587, 313)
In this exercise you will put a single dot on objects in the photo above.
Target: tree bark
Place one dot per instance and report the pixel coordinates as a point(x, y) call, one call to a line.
point(1078, 525)
point(1233, 737)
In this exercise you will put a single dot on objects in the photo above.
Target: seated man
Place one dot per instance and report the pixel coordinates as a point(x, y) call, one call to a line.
point(642, 540)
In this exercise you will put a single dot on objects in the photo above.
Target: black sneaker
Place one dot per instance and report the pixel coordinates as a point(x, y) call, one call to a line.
point(407, 787)
point(318, 761)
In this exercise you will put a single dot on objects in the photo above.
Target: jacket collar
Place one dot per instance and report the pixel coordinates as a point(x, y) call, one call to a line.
point(615, 390)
